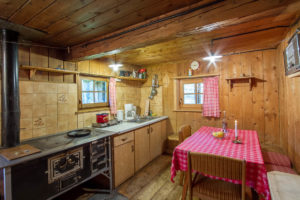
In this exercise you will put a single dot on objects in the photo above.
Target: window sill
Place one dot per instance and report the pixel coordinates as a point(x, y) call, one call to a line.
point(87, 110)
point(187, 110)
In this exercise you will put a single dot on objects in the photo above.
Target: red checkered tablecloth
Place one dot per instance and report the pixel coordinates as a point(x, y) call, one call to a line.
point(203, 141)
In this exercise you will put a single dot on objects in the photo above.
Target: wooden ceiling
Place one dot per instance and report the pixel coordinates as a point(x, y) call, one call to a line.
point(145, 32)
point(65, 23)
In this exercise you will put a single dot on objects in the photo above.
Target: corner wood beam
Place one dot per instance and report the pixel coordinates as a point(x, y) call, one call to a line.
point(169, 26)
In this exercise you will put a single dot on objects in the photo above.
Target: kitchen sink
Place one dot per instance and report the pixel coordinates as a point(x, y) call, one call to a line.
point(142, 119)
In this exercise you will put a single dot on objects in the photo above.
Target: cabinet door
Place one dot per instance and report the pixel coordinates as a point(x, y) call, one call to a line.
point(142, 154)
point(155, 140)
point(164, 135)
point(124, 162)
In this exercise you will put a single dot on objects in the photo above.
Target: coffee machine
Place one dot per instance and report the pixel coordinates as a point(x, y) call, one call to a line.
point(130, 111)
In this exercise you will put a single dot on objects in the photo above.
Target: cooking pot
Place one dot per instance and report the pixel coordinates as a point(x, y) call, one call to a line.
point(102, 118)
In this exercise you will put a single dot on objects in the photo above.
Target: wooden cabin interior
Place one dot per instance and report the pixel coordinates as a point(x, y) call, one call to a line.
point(150, 99)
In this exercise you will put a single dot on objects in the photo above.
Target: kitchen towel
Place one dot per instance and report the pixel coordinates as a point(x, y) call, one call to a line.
point(211, 106)
point(112, 96)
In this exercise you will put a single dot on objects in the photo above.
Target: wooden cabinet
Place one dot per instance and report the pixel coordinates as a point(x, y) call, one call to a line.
point(123, 157)
point(142, 153)
point(155, 140)
point(164, 135)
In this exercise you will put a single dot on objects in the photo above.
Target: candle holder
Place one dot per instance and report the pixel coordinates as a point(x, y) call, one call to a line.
point(236, 141)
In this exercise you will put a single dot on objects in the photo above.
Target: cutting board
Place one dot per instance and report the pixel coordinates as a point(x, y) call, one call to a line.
point(18, 152)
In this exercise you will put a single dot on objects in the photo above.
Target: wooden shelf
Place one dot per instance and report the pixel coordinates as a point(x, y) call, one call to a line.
point(33, 70)
point(131, 79)
point(196, 76)
point(250, 79)
point(297, 74)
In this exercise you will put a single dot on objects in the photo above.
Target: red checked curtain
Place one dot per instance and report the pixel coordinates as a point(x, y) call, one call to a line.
point(112, 96)
point(211, 106)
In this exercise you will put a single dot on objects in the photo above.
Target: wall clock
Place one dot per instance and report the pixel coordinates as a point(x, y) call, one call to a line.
point(194, 65)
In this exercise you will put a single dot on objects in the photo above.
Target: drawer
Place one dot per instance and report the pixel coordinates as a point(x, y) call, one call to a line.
point(124, 138)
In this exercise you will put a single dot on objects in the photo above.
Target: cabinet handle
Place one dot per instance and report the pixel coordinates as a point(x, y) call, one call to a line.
point(151, 129)
point(148, 130)
point(132, 148)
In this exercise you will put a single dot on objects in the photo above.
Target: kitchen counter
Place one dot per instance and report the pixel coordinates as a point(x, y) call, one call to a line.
point(60, 141)
point(129, 126)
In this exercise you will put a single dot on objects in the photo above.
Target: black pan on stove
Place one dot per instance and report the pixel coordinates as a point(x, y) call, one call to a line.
point(79, 133)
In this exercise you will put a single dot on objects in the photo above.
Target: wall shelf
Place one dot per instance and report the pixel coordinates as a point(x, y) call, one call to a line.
point(131, 79)
point(250, 79)
point(34, 69)
point(195, 76)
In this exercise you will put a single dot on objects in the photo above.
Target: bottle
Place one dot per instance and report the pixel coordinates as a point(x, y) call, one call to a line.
point(190, 72)
point(224, 123)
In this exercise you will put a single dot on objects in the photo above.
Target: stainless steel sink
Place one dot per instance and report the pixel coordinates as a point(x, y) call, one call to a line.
point(142, 119)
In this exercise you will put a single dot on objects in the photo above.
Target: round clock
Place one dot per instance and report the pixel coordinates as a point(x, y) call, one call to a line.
point(194, 65)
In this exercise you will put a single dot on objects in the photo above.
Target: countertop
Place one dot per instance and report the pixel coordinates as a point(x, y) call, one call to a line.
point(60, 141)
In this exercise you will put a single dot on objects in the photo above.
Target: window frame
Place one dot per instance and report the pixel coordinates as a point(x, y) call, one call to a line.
point(180, 96)
point(92, 105)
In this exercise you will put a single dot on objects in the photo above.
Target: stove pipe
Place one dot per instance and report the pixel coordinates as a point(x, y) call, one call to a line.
point(10, 104)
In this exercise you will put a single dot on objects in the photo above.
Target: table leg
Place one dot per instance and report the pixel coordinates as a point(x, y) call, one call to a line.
point(185, 186)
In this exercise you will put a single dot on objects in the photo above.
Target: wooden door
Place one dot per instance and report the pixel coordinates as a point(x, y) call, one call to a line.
point(164, 135)
point(142, 154)
point(155, 140)
point(123, 157)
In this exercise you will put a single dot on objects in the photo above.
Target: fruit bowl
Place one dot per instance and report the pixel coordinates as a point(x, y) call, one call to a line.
point(218, 134)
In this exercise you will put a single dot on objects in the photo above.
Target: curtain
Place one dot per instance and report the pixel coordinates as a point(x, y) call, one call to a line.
point(112, 96)
point(211, 106)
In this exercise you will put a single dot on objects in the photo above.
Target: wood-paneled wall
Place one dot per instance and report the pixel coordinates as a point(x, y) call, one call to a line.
point(289, 95)
point(257, 109)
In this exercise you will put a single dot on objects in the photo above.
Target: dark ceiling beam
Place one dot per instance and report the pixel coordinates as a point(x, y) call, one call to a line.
point(210, 15)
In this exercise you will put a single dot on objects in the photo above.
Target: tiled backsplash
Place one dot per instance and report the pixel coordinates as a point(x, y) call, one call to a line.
point(47, 108)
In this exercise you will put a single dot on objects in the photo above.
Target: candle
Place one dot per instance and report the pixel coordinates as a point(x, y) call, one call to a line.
point(236, 132)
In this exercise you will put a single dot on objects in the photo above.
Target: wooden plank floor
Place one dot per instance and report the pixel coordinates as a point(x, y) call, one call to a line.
point(152, 182)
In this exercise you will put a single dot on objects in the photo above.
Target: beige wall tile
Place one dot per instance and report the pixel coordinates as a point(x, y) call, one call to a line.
point(80, 124)
point(51, 130)
point(62, 122)
point(25, 134)
point(51, 121)
point(62, 98)
point(51, 88)
point(26, 123)
point(40, 87)
point(51, 99)
point(38, 132)
point(26, 87)
point(72, 121)
point(39, 99)
point(51, 110)
point(38, 110)
point(63, 88)
point(26, 111)
point(72, 88)
point(26, 99)
point(63, 109)
point(39, 122)
point(80, 117)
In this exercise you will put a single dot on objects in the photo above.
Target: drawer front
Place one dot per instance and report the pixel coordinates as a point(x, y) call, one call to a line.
point(124, 138)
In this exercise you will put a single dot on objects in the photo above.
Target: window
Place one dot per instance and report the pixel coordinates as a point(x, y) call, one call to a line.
point(93, 92)
point(191, 93)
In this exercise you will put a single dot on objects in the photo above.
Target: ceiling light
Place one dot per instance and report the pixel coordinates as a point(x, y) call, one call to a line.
point(116, 65)
point(212, 59)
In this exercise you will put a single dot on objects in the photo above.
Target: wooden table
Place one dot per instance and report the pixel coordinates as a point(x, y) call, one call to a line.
point(202, 141)
point(284, 186)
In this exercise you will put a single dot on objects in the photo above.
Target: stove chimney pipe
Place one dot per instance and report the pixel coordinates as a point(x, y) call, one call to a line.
point(10, 104)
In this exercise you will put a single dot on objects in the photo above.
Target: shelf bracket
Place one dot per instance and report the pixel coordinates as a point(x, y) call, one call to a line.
point(32, 74)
